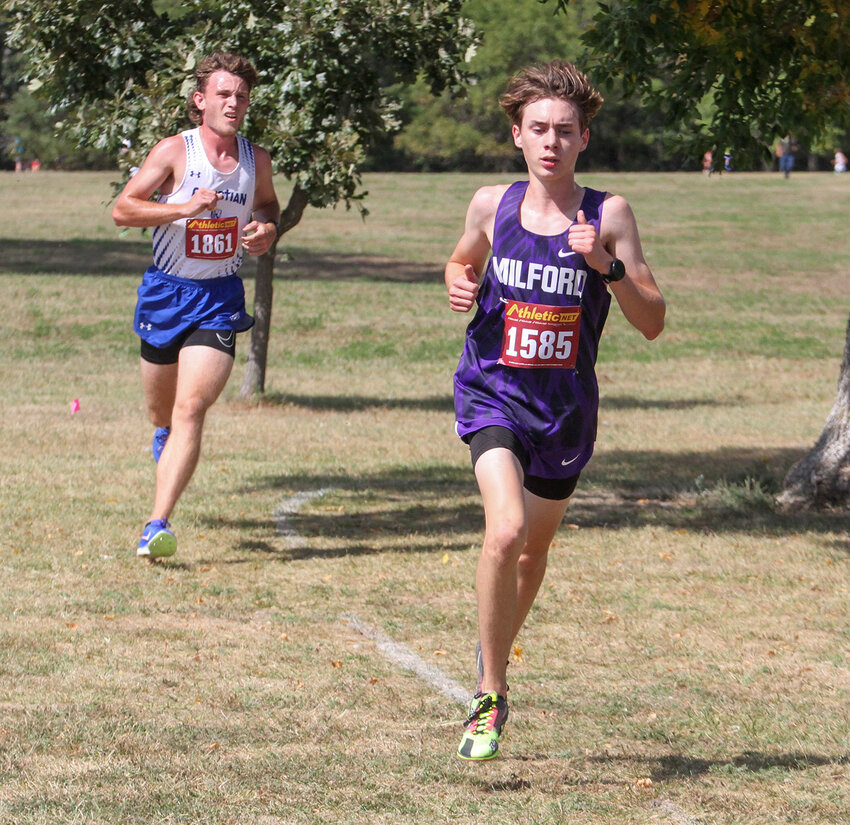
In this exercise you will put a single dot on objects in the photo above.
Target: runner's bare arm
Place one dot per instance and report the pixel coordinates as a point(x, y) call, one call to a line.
point(638, 295)
point(163, 168)
point(261, 232)
point(467, 262)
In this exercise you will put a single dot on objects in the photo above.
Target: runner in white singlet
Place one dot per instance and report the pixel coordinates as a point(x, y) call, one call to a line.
point(215, 201)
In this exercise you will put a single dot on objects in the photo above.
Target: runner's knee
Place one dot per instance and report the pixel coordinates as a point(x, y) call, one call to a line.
point(530, 563)
point(191, 408)
point(504, 541)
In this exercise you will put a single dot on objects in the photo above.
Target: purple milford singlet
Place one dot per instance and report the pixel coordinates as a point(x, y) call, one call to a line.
point(530, 352)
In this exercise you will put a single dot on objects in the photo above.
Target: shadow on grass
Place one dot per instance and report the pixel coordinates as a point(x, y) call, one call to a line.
point(75, 257)
point(338, 403)
point(633, 402)
point(396, 511)
point(676, 766)
point(301, 263)
point(444, 402)
point(434, 509)
point(133, 255)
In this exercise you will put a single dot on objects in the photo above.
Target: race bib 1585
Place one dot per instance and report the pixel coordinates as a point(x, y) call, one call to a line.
point(537, 335)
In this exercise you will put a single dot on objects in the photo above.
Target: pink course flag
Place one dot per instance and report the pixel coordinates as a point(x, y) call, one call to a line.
point(75, 406)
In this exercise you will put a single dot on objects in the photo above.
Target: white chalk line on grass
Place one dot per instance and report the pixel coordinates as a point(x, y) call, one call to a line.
point(396, 652)
point(290, 507)
point(405, 658)
point(676, 814)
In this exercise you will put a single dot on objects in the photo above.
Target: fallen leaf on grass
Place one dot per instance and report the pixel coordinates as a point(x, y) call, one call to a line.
point(643, 782)
point(517, 653)
point(336, 664)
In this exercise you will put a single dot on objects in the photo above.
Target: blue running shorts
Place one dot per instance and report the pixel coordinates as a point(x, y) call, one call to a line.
point(169, 306)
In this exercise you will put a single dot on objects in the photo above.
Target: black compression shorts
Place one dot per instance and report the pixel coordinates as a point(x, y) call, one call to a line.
point(554, 489)
point(220, 339)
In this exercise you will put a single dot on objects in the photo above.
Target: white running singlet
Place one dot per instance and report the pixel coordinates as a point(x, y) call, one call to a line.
point(208, 245)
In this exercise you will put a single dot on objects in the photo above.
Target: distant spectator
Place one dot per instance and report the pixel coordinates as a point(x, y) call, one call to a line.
point(839, 162)
point(706, 162)
point(35, 165)
point(786, 149)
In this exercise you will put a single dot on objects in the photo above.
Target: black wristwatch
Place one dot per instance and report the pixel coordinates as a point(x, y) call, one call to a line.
point(616, 271)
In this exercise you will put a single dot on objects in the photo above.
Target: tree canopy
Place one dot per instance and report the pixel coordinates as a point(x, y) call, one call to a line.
point(729, 74)
point(472, 132)
point(118, 70)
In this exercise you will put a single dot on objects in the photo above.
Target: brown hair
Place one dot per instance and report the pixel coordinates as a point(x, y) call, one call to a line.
point(218, 61)
point(557, 79)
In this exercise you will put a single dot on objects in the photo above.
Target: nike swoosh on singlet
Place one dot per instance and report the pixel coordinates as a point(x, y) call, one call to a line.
point(564, 253)
point(565, 463)
point(227, 340)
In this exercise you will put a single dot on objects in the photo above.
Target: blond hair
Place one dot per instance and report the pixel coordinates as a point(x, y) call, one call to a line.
point(218, 61)
point(558, 79)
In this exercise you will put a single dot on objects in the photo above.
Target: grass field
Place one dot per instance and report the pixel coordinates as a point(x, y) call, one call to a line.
point(687, 662)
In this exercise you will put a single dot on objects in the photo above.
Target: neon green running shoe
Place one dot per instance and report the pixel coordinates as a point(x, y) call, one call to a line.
point(487, 717)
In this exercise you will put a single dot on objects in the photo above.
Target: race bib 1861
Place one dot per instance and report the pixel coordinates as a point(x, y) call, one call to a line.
point(211, 239)
point(537, 335)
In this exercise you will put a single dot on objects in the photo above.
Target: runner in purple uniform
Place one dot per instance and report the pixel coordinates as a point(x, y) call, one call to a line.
point(526, 396)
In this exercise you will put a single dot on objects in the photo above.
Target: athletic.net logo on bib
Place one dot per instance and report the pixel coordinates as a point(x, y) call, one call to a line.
point(537, 335)
point(211, 239)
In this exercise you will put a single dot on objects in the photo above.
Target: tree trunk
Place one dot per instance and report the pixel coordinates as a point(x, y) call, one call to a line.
point(254, 380)
point(822, 478)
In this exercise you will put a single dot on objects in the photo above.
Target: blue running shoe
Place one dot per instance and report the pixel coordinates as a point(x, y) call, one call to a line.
point(159, 439)
point(157, 540)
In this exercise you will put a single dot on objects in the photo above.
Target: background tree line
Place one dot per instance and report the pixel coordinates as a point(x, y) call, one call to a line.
point(436, 132)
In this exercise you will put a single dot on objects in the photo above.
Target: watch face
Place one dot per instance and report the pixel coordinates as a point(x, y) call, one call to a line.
point(617, 270)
